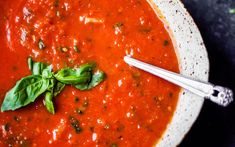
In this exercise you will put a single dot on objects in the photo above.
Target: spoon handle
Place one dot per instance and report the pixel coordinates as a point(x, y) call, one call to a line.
point(221, 95)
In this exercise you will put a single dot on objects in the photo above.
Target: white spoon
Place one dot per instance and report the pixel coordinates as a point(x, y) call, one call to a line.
point(221, 95)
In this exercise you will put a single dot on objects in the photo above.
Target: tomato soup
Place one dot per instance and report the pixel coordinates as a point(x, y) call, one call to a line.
point(129, 108)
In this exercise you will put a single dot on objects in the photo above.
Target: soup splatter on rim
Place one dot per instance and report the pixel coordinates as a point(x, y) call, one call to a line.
point(129, 108)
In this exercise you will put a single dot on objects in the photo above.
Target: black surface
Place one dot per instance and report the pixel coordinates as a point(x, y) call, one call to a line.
point(215, 126)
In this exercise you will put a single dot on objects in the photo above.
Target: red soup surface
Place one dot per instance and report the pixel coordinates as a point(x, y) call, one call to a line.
point(129, 108)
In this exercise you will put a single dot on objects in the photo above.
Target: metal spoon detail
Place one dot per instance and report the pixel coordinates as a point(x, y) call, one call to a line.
point(221, 95)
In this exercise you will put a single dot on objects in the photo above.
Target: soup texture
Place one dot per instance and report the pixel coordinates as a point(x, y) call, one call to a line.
point(129, 108)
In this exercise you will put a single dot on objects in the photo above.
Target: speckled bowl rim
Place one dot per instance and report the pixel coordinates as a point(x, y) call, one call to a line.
point(193, 62)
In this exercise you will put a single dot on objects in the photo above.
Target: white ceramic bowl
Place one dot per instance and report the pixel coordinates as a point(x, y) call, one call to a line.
point(193, 62)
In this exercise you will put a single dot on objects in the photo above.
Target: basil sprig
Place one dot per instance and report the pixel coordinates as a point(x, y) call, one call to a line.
point(44, 81)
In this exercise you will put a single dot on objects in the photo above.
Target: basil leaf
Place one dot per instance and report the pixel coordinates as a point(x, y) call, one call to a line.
point(58, 88)
point(72, 76)
point(51, 85)
point(47, 73)
point(86, 68)
point(48, 102)
point(97, 78)
point(24, 92)
point(54, 89)
point(36, 67)
point(49, 94)
point(81, 75)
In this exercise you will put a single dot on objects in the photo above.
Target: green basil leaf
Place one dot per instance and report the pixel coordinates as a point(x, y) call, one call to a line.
point(97, 78)
point(47, 73)
point(80, 75)
point(36, 67)
point(72, 76)
point(24, 92)
point(49, 103)
point(52, 82)
point(58, 88)
point(86, 68)
point(50, 94)
point(55, 87)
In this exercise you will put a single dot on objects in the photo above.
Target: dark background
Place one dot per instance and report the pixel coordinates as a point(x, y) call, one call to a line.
point(215, 126)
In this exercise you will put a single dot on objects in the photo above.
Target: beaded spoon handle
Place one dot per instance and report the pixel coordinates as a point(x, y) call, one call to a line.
point(221, 95)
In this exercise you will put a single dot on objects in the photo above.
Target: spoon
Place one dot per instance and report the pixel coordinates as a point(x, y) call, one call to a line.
point(220, 95)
